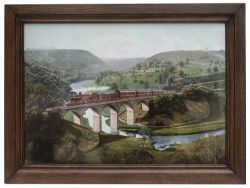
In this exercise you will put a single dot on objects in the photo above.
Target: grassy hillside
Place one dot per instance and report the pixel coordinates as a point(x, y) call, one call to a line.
point(194, 111)
point(169, 70)
point(48, 74)
point(203, 57)
point(207, 118)
point(72, 65)
point(189, 129)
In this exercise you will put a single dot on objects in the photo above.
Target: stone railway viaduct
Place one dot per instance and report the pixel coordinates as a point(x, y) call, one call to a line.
point(114, 104)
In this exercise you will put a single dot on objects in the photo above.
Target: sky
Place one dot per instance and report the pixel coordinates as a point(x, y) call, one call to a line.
point(126, 40)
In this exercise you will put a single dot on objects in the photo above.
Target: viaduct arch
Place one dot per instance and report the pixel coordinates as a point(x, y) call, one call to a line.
point(114, 104)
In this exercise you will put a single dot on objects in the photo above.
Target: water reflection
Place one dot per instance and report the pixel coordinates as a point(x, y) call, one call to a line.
point(164, 142)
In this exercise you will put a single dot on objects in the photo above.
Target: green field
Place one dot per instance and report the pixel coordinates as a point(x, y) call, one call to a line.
point(219, 84)
point(189, 129)
point(133, 81)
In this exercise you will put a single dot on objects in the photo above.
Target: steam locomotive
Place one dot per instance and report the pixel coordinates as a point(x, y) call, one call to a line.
point(79, 98)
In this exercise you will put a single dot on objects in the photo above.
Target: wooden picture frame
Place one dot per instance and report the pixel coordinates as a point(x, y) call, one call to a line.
point(234, 170)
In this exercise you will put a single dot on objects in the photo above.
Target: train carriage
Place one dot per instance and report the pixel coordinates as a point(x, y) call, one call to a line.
point(95, 97)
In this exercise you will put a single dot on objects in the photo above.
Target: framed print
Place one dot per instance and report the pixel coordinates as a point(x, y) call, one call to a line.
point(125, 93)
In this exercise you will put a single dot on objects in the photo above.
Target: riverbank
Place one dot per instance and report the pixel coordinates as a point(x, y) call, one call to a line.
point(189, 129)
point(170, 131)
point(115, 149)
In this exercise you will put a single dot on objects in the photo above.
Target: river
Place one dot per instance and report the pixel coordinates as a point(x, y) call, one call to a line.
point(164, 142)
point(160, 142)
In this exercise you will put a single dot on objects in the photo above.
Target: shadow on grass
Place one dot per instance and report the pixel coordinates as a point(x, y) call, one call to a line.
point(47, 138)
point(107, 138)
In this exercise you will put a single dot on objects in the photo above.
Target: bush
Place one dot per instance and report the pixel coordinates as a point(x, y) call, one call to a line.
point(48, 139)
point(165, 105)
point(159, 120)
point(139, 156)
point(113, 86)
point(195, 94)
point(210, 150)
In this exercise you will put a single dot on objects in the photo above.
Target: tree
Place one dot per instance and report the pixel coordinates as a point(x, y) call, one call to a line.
point(181, 73)
point(124, 86)
point(215, 69)
point(160, 80)
point(181, 63)
point(215, 85)
point(168, 63)
point(114, 86)
point(98, 80)
point(146, 85)
point(151, 64)
point(172, 69)
point(138, 66)
point(141, 82)
point(140, 154)
point(165, 75)
point(170, 81)
point(211, 150)
point(209, 70)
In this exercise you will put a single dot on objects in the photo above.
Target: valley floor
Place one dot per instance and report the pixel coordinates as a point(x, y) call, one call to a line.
point(114, 149)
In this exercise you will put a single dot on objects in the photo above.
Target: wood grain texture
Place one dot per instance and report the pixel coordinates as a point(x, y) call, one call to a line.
point(10, 94)
point(126, 175)
point(240, 92)
point(230, 90)
point(126, 9)
point(234, 170)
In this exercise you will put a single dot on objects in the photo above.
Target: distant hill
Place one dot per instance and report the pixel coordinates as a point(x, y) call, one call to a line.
point(122, 63)
point(194, 57)
point(169, 70)
point(74, 65)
